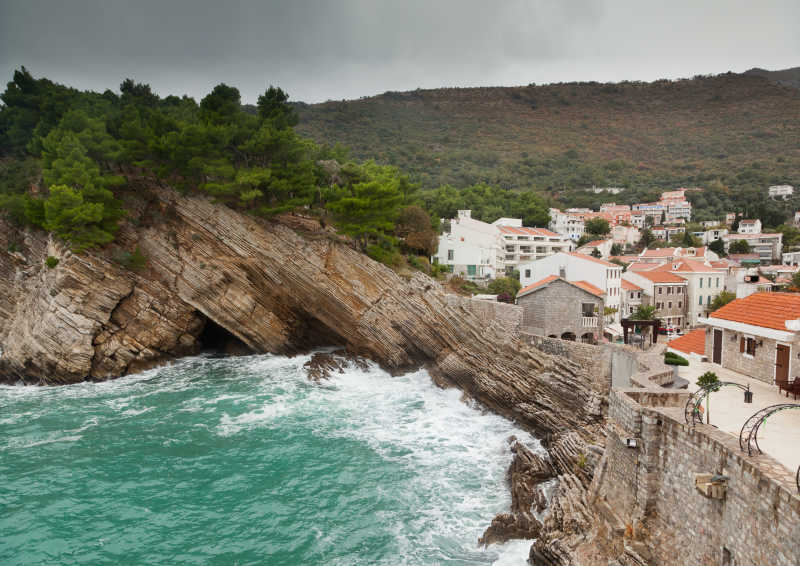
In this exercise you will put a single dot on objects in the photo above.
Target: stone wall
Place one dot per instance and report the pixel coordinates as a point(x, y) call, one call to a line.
point(509, 317)
point(556, 309)
point(651, 488)
point(761, 366)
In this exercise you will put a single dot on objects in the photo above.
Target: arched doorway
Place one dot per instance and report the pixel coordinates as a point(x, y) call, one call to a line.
point(568, 336)
point(587, 338)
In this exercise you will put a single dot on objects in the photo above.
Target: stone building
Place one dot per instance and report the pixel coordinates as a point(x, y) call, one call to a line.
point(757, 336)
point(557, 308)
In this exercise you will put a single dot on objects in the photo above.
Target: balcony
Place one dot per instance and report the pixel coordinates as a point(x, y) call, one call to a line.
point(590, 321)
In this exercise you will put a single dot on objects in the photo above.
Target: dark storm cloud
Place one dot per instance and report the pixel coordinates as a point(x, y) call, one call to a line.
point(324, 49)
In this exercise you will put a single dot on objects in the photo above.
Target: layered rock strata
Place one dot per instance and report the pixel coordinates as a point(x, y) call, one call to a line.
point(274, 288)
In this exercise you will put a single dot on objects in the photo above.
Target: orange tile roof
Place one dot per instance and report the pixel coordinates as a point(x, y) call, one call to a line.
point(592, 258)
point(768, 310)
point(686, 265)
point(536, 284)
point(586, 286)
point(643, 266)
point(721, 264)
point(659, 252)
point(524, 231)
point(628, 286)
point(693, 342)
point(594, 243)
point(661, 277)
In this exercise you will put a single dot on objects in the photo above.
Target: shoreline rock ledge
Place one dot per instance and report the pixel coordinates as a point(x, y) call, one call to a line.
point(216, 276)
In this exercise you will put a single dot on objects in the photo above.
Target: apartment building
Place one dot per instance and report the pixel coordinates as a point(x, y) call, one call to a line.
point(704, 283)
point(666, 291)
point(768, 247)
point(566, 224)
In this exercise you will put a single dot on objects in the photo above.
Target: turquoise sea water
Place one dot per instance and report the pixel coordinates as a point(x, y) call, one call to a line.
point(244, 461)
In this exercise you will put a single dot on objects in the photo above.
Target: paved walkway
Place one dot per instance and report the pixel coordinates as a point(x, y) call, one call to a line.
point(779, 436)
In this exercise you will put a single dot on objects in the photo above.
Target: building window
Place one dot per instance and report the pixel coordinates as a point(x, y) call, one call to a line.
point(587, 309)
point(701, 299)
point(669, 290)
point(527, 273)
point(680, 304)
point(669, 305)
point(472, 270)
point(708, 300)
point(709, 282)
point(747, 346)
point(660, 289)
point(449, 255)
point(701, 282)
point(718, 282)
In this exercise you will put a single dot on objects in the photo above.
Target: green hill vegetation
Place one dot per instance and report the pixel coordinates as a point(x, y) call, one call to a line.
point(738, 133)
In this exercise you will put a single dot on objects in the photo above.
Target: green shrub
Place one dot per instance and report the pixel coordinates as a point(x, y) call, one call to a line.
point(390, 257)
point(673, 359)
point(51, 262)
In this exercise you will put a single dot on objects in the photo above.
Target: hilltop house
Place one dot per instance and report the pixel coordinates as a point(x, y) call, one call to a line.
point(749, 226)
point(757, 336)
point(555, 307)
point(782, 192)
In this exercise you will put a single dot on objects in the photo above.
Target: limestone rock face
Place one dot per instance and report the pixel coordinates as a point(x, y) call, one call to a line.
point(276, 289)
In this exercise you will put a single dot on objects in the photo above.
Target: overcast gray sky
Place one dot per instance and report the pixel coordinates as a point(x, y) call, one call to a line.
point(320, 50)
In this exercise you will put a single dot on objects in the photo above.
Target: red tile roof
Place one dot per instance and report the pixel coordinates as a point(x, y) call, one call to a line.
point(691, 342)
point(594, 243)
point(661, 276)
point(659, 252)
point(628, 286)
point(585, 285)
point(686, 266)
point(536, 284)
point(768, 310)
point(523, 231)
point(592, 258)
point(643, 266)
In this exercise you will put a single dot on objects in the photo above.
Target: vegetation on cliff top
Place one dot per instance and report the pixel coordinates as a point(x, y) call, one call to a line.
point(66, 157)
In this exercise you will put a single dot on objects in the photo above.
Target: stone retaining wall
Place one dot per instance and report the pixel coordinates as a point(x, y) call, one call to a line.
point(506, 315)
point(651, 487)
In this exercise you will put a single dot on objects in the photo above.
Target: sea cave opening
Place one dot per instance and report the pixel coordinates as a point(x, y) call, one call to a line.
point(218, 340)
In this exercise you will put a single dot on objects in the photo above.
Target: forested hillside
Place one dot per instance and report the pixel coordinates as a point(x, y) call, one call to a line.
point(741, 130)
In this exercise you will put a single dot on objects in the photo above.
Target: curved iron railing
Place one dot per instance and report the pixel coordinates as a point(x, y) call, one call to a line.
point(748, 436)
point(691, 411)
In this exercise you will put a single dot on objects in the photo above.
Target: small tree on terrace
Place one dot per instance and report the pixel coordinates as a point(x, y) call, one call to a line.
point(599, 226)
point(721, 300)
point(710, 381)
point(739, 247)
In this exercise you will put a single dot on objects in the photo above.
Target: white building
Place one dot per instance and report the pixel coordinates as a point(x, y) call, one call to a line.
point(711, 235)
point(704, 283)
point(769, 247)
point(566, 224)
point(744, 281)
point(791, 258)
point(471, 247)
point(750, 226)
point(522, 245)
point(780, 191)
point(579, 267)
point(479, 250)
point(625, 235)
point(601, 248)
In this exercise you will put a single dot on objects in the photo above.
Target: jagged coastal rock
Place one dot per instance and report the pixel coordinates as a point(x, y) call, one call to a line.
point(214, 274)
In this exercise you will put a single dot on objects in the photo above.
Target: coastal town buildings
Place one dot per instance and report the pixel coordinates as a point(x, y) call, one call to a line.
point(575, 266)
point(666, 291)
point(566, 224)
point(479, 250)
point(757, 336)
point(597, 248)
point(703, 284)
point(557, 308)
point(631, 297)
point(768, 247)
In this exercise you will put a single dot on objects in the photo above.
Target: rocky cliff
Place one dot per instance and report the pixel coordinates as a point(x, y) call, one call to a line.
point(214, 274)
